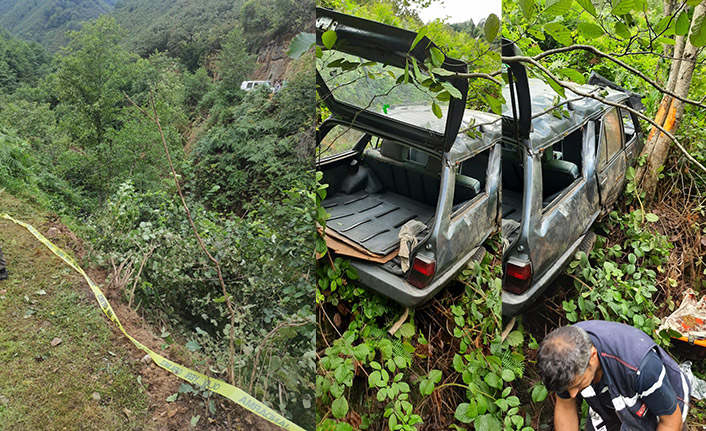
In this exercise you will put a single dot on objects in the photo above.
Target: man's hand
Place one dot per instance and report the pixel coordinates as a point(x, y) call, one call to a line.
point(670, 422)
point(565, 416)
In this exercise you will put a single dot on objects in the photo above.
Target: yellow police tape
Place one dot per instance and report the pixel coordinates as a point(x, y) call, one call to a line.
point(220, 387)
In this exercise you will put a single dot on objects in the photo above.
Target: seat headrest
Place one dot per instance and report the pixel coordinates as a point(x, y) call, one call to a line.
point(393, 150)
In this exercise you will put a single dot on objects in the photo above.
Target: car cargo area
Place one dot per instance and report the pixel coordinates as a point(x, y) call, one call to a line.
point(373, 220)
point(373, 196)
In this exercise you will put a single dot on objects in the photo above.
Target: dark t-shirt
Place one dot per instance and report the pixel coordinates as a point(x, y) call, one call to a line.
point(653, 388)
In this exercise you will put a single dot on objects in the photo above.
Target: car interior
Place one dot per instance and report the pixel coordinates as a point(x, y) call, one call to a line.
point(371, 197)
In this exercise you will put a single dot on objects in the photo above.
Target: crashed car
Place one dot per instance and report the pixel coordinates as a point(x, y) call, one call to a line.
point(564, 164)
point(411, 198)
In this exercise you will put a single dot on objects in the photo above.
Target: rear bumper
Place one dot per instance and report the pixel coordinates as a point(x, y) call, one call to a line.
point(513, 304)
point(373, 277)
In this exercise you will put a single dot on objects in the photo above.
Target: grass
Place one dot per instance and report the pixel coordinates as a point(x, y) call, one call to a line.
point(54, 387)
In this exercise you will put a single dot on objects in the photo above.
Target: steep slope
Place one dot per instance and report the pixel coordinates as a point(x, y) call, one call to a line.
point(47, 21)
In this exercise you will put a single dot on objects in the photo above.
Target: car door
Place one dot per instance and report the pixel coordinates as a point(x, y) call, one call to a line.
point(611, 157)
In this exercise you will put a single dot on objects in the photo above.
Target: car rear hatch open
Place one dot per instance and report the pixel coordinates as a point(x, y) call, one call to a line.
point(358, 80)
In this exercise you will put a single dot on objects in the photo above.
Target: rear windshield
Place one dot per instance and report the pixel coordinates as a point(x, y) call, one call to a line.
point(374, 87)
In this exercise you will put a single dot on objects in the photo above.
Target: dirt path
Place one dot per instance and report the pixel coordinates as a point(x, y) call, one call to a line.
point(64, 365)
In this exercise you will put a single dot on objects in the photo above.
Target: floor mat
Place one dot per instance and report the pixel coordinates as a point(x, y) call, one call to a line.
point(374, 220)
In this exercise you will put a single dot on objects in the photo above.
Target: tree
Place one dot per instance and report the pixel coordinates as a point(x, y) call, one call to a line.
point(92, 74)
point(234, 64)
point(671, 109)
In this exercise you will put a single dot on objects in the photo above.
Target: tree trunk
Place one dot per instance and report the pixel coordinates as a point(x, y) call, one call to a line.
point(670, 111)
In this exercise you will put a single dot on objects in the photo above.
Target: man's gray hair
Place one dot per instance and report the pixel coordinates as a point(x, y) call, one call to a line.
point(563, 356)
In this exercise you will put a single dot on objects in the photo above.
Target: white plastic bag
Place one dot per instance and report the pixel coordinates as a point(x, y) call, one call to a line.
point(698, 386)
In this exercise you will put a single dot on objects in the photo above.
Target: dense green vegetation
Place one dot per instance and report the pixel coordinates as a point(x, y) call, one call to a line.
point(47, 21)
point(76, 137)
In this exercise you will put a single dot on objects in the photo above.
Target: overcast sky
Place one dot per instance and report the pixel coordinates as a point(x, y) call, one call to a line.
point(460, 10)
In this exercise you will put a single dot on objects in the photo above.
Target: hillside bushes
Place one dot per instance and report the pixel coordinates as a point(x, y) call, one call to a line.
point(266, 262)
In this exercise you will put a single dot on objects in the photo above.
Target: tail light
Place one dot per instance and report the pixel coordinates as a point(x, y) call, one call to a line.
point(422, 272)
point(518, 277)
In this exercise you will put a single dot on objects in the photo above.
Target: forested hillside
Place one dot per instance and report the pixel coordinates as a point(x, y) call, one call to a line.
point(79, 138)
point(47, 21)
point(194, 31)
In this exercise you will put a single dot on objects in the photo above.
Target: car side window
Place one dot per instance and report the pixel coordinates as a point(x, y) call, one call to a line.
point(628, 124)
point(611, 137)
point(338, 140)
point(471, 176)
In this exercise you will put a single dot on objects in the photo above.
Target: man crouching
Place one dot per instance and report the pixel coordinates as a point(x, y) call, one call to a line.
point(629, 383)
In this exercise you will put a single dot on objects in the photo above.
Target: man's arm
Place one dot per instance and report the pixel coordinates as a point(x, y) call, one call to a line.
point(657, 393)
point(670, 422)
point(565, 416)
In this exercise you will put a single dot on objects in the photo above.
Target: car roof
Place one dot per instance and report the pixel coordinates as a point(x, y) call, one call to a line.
point(490, 128)
point(547, 128)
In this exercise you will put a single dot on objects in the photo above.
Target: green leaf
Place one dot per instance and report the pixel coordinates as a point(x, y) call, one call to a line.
point(515, 338)
point(622, 7)
point(622, 30)
point(559, 32)
point(508, 375)
point(195, 420)
point(651, 217)
point(491, 27)
point(339, 408)
point(173, 397)
point(539, 393)
point(453, 91)
point(420, 35)
point(436, 110)
point(487, 422)
point(588, 6)
point(193, 346)
point(301, 44)
point(682, 26)
point(527, 7)
point(466, 412)
point(693, 2)
point(557, 7)
point(426, 387)
point(493, 380)
point(361, 351)
point(664, 23)
point(329, 38)
point(573, 75)
point(442, 72)
point(558, 88)
point(437, 57)
point(589, 30)
point(435, 376)
point(185, 388)
point(417, 73)
point(406, 330)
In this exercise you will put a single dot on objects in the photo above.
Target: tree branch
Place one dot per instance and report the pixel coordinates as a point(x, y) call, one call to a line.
point(546, 71)
point(620, 63)
point(474, 75)
point(155, 119)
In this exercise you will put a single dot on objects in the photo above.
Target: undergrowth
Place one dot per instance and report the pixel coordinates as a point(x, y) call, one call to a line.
point(265, 259)
point(445, 366)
